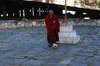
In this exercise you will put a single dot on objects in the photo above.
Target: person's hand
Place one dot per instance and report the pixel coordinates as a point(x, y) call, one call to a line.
point(54, 21)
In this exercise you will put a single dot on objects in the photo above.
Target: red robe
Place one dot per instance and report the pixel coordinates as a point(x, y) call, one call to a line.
point(50, 25)
point(52, 28)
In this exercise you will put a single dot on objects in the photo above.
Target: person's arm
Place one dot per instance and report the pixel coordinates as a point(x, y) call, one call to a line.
point(45, 20)
point(47, 23)
point(57, 21)
point(58, 24)
point(54, 21)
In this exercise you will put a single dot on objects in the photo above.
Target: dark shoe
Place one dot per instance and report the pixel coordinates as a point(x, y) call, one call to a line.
point(49, 45)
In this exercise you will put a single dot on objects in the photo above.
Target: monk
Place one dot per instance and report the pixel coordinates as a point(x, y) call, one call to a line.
point(53, 27)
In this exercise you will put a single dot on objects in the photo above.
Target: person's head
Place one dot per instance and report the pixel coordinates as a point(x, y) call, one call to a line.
point(50, 12)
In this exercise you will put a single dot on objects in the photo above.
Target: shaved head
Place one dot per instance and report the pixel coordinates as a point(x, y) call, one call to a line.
point(50, 12)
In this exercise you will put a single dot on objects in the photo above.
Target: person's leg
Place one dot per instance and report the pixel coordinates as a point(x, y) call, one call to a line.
point(50, 45)
point(49, 40)
point(57, 37)
point(52, 37)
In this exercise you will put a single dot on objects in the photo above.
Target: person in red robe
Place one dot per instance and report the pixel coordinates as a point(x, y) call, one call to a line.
point(53, 27)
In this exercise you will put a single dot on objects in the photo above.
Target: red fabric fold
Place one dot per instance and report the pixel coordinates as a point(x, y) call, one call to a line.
point(50, 25)
point(53, 37)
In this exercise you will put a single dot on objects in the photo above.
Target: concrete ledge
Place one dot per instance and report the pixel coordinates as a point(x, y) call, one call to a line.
point(67, 34)
point(68, 28)
point(71, 40)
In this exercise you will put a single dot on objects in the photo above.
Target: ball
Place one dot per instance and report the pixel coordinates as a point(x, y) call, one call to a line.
point(55, 46)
